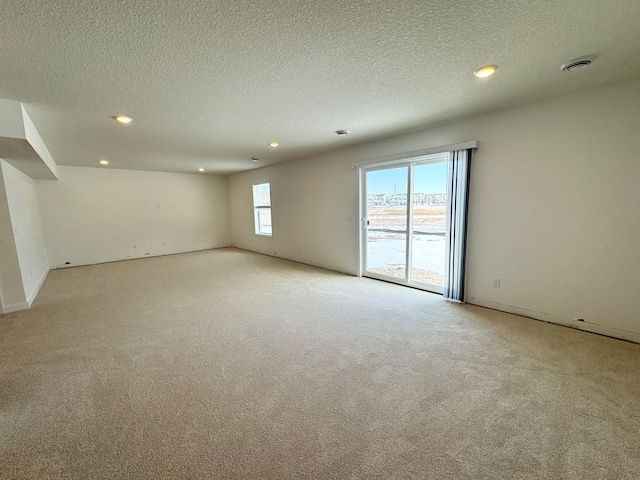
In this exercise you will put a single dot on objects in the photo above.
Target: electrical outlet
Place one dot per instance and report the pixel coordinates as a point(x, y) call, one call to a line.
point(496, 283)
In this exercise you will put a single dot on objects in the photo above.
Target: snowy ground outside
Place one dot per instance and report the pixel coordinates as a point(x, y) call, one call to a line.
point(386, 254)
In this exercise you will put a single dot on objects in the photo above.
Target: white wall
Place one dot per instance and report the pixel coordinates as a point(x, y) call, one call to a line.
point(11, 122)
point(94, 215)
point(36, 142)
point(12, 295)
point(555, 188)
point(27, 230)
point(314, 212)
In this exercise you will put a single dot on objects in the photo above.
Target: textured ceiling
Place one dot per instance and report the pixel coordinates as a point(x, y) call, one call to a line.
point(210, 83)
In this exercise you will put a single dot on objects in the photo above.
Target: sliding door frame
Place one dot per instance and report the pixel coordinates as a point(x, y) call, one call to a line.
point(410, 164)
point(362, 235)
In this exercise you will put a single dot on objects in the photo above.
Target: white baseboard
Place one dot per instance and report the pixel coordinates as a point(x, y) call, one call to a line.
point(15, 307)
point(36, 290)
point(30, 299)
point(296, 260)
point(137, 257)
point(567, 322)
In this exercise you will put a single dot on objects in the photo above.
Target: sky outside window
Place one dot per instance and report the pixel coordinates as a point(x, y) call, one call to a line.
point(393, 181)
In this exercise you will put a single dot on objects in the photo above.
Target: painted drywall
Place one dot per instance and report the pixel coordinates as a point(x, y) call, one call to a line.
point(35, 140)
point(21, 144)
point(27, 229)
point(314, 212)
point(11, 122)
point(95, 215)
point(553, 200)
point(12, 296)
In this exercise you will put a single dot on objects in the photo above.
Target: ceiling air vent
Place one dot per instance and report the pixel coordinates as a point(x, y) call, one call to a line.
point(577, 63)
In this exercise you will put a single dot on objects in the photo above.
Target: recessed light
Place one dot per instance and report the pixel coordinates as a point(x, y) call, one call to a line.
point(104, 162)
point(123, 119)
point(254, 159)
point(201, 169)
point(485, 71)
point(273, 144)
point(342, 133)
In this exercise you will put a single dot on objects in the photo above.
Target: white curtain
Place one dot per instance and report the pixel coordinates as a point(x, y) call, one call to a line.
point(456, 238)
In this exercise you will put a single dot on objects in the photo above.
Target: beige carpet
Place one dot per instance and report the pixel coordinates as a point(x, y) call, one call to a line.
point(227, 364)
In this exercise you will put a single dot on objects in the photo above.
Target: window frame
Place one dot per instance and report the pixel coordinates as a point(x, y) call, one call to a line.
point(258, 208)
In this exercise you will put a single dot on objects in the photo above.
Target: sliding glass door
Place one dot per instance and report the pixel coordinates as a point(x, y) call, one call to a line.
point(387, 222)
point(404, 222)
point(429, 223)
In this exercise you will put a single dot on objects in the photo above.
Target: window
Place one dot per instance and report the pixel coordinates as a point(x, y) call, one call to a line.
point(262, 208)
point(404, 236)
